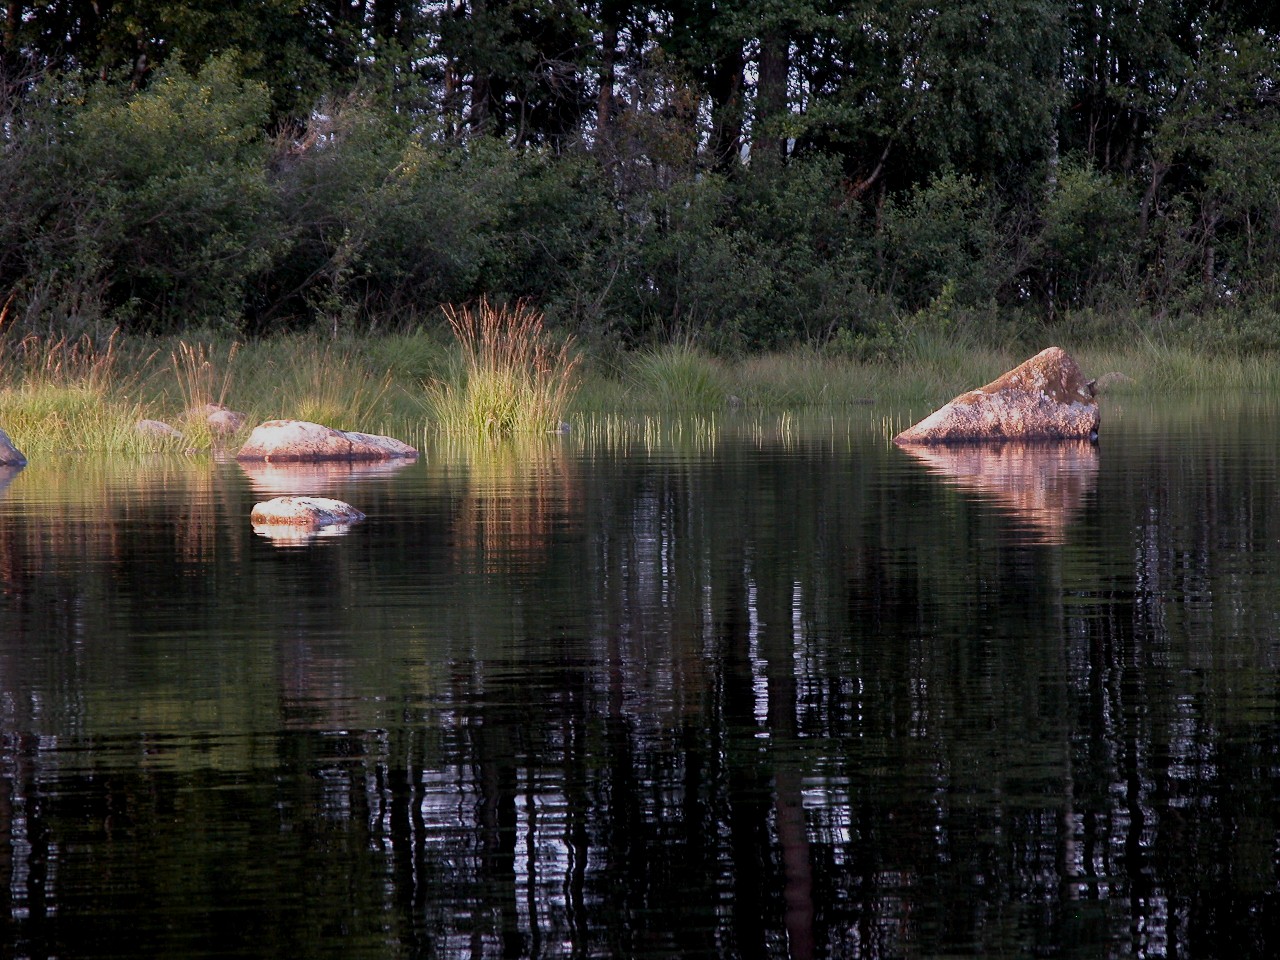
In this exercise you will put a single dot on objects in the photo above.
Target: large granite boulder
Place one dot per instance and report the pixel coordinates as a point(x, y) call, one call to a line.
point(304, 512)
point(302, 442)
point(1045, 398)
point(10, 456)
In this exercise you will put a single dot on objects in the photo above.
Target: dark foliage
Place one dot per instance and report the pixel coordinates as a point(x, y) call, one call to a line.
point(793, 170)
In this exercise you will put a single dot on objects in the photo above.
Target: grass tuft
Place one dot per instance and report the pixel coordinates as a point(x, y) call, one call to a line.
point(202, 379)
point(58, 394)
point(680, 377)
point(511, 380)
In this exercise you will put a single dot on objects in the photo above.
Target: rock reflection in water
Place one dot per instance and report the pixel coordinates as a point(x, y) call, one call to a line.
point(310, 479)
point(1043, 485)
point(298, 535)
point(6, 477)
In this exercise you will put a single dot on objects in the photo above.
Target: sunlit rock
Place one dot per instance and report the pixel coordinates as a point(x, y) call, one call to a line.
point(304, 512)
point(1042, 485)
point(1045, 398)
point(302, 441)
point(10, 456)
point(158, 428)
point(219, 419)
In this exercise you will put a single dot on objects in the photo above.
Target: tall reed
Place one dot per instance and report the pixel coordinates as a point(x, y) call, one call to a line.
point(512, 380)
point(203, 379)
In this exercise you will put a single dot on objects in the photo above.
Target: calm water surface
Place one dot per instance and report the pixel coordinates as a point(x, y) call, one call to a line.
point(771, 690)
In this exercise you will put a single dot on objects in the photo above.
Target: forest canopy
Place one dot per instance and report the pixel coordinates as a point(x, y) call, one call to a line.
point(748, 174)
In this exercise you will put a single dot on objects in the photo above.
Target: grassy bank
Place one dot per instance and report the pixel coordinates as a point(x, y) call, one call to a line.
point(87, 395)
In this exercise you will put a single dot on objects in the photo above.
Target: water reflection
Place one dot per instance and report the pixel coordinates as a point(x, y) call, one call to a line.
point(7, 473)
point(299, 534)
point(762, 701)
point(1042, 485)
point(518, 495)
point(314, 479)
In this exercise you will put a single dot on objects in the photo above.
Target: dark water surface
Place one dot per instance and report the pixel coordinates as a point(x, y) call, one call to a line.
point(765, 691)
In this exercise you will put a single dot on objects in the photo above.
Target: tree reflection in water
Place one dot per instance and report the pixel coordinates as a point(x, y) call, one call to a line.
point(810, 702)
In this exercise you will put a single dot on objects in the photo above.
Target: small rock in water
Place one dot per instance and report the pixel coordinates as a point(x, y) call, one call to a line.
point(305, 511)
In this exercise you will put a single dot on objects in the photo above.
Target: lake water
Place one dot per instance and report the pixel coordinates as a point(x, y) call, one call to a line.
point(767, 689)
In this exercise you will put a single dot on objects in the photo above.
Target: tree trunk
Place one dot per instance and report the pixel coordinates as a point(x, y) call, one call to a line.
point(604, 100)
point(726, 110)
point(478, 119)
point(771, 97)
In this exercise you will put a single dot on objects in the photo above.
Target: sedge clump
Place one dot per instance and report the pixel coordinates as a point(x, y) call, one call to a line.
point(512, 380)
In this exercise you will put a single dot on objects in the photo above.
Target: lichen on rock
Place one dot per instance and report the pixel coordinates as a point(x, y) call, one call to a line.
point(302, 441)
point(1044, 398)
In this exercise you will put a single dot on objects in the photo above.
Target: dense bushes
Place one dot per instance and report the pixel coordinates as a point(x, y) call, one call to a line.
point(172, 208)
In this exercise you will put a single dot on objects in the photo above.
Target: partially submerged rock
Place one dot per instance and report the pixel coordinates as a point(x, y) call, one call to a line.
point(304, 512)
point(1045, 398)
point(10, 456)
point(300, 441)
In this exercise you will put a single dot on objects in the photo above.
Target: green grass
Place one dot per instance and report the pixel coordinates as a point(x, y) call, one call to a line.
point(510, 381)
point(1153, 368)
point(501, 377)
point(43, 418)
point(679, 377)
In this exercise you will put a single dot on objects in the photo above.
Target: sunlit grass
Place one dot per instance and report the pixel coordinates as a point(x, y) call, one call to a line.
point(510, 381)
point(501, 376)
point(70, 395)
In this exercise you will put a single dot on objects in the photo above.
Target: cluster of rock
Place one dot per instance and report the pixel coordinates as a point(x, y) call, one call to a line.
point(302, 442)
point(1045, 398)
point(220, 421)
point(278, 445)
